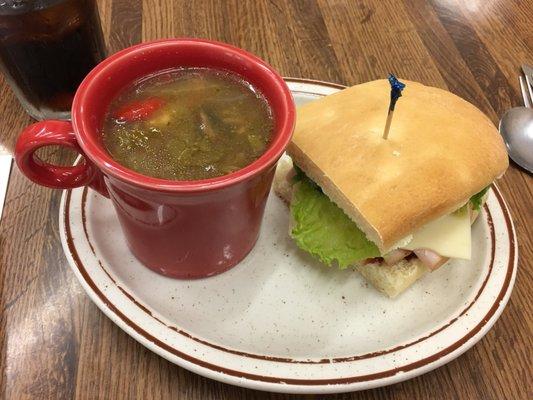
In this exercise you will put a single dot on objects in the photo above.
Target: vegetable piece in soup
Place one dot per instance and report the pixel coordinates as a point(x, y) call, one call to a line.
point(188, 124)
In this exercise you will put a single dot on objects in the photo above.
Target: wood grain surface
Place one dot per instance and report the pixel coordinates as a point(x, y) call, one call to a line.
point(56, 344)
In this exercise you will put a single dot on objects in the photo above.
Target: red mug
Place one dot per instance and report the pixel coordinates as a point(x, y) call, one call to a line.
point(181, 229)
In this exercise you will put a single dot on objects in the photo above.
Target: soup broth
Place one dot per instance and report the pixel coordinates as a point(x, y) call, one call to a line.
point(188, 124)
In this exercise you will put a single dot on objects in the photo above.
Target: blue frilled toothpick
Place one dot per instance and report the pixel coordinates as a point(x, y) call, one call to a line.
point(396, 88)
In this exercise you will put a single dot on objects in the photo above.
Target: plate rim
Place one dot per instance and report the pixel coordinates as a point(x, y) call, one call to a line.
point(297, 385)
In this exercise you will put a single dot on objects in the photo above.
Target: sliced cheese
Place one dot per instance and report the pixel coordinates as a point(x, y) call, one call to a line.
point(448, 236)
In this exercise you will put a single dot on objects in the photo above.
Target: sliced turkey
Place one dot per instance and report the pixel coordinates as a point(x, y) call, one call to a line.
point(430, 259)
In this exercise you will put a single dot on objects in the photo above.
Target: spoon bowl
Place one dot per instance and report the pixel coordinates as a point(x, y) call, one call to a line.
point(516, 128)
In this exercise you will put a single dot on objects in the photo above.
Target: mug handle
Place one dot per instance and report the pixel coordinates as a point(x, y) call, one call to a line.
point(61, 133)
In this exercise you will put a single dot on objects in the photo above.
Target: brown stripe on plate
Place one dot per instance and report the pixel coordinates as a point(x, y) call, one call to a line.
point(314, 82)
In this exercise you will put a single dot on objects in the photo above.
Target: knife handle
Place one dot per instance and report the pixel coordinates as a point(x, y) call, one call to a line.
point(60, 133)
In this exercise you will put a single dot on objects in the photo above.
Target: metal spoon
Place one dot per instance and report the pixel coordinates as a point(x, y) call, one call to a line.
point(516, 127)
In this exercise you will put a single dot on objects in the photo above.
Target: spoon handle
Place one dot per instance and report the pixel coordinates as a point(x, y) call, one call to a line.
point(528, 72)
point(523, 89)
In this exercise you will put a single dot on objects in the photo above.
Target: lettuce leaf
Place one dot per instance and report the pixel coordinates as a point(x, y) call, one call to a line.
point(476, 199)
point(321, 228)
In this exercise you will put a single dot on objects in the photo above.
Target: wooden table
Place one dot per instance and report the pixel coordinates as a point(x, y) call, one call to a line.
point(55, 344)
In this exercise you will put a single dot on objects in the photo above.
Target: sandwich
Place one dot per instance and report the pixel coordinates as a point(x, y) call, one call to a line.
point(397, 208)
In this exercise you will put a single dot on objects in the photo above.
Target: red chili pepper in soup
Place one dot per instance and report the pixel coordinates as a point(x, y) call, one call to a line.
point(138, 110)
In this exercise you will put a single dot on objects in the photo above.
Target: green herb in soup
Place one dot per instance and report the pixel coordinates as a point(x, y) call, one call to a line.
point(188, 124)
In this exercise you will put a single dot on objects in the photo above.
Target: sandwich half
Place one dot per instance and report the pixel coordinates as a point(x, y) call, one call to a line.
point(394, 209)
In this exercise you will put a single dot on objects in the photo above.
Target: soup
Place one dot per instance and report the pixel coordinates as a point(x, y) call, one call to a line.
point(188, 124)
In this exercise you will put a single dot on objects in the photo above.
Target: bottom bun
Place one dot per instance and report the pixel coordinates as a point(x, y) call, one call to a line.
point(393, 279)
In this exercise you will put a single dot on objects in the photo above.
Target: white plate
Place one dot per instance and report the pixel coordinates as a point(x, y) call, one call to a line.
point(280, 321)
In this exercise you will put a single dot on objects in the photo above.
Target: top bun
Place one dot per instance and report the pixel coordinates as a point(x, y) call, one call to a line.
point(441, 150)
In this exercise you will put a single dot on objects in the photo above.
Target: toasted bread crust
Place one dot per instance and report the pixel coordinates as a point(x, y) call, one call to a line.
point(441, 150)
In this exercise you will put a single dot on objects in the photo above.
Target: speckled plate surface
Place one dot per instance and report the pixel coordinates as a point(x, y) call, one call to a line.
point(280, 321)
